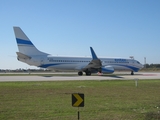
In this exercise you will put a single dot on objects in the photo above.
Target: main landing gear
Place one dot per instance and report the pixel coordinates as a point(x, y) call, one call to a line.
point(88, 73)
point(132, 73)
point(80, 73)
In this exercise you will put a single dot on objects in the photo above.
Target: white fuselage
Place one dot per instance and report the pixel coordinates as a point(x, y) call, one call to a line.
point(77, 63)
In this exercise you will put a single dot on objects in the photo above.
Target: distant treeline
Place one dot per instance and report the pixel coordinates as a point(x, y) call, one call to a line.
point(32, 70)
point(152, 65)
point(25, 70)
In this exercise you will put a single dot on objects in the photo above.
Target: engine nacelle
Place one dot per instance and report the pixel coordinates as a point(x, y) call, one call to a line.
point(107, 69)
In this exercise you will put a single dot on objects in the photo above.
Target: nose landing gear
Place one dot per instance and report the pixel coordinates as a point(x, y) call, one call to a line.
point(132, 73)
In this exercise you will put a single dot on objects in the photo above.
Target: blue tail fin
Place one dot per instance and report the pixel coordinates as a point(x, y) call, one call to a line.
point(25, 46)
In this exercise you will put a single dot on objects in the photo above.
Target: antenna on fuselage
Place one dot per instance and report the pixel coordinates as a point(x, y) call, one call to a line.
point(132, 57)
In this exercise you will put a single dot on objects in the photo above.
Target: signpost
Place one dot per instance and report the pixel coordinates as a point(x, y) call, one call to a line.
point(136, 82)
point(78, 101)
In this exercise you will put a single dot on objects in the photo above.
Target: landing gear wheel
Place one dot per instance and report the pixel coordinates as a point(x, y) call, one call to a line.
point(88, 73)
point(80, 73)
point(132, 73)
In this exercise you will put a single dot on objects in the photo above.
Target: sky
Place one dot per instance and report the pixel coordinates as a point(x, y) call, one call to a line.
point(114, 28)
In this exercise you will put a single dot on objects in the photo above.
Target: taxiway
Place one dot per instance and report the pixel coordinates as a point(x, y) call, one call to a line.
point(120, 76)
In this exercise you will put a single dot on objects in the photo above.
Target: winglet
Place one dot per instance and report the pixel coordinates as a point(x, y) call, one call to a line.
point(94, 56)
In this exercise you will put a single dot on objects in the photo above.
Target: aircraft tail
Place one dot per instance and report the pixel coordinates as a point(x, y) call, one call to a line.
point(25, 46)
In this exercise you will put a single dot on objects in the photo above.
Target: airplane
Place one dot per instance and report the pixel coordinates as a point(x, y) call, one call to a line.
point(29, 54)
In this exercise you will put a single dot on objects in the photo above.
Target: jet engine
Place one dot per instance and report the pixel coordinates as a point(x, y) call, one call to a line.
point(107, 69)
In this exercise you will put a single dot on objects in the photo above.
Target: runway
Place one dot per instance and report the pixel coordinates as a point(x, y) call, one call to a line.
point(137, 76)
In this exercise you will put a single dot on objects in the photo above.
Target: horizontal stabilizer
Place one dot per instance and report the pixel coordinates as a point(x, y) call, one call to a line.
point(23, 56)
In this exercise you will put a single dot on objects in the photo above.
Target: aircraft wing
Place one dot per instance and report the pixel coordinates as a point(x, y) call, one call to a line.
point(95, 64)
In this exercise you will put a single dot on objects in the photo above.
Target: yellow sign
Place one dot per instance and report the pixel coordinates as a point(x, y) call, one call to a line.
point(78, 100)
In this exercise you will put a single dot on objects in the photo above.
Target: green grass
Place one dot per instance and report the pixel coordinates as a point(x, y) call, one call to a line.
point(104, 100)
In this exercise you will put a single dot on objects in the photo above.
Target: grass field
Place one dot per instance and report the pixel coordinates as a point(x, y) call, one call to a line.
point(104, 100)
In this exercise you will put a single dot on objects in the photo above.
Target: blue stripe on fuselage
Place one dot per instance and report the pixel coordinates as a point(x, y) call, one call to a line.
point(135, 69)
point(25, 42)
point(54, 64)
point(48, 65)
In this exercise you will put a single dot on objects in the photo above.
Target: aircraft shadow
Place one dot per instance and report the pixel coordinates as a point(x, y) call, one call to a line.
point(113, 76)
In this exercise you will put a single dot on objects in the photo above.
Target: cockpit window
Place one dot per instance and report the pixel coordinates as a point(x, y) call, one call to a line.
point(138, 62)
